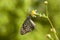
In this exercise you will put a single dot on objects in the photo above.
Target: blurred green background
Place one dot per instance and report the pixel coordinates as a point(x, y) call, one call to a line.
point(14, 12)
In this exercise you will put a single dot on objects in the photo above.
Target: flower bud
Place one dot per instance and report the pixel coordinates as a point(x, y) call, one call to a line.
point(45, 2)
point(48, 36)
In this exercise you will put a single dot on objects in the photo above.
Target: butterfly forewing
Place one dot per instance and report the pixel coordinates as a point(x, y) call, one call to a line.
point(27, 26)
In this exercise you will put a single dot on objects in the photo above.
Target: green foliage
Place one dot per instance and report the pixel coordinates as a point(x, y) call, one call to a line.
point(14, 12)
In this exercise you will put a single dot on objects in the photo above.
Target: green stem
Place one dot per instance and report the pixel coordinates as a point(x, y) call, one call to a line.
point(46, 10)
point(53, 29)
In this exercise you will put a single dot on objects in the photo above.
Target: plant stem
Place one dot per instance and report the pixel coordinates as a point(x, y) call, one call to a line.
point(53, 29)
point(46, 10)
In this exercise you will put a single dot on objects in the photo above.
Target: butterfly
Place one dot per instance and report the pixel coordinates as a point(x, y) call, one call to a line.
point(27, 26)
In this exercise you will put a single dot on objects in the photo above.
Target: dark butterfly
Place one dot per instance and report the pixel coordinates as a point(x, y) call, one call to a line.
point(27, 26)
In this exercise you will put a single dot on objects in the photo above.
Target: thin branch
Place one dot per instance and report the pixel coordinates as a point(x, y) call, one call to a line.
point(53, 29)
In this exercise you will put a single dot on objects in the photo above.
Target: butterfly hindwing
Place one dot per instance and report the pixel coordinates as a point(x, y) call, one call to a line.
point(27, 26)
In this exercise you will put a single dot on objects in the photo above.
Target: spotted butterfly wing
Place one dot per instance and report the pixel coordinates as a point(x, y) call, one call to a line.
point(27, 26)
